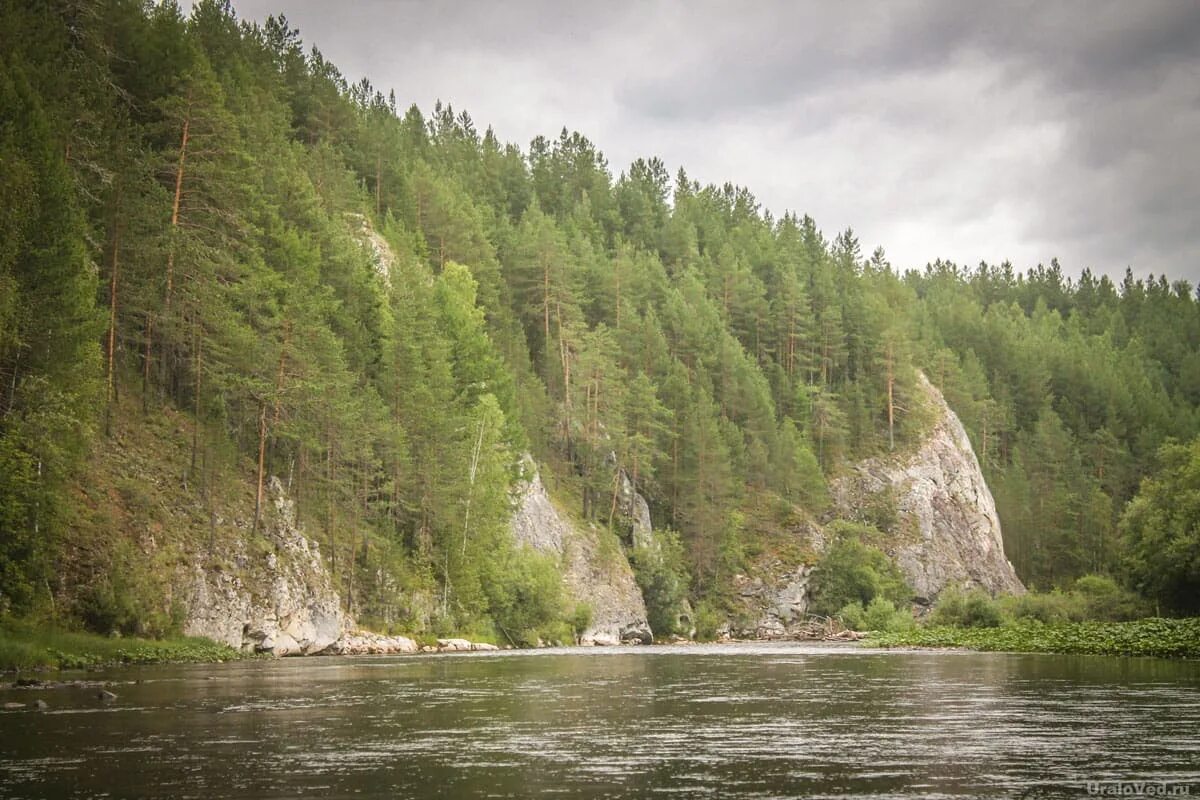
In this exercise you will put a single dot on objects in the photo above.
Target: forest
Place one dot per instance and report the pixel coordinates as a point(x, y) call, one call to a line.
point(204, 224)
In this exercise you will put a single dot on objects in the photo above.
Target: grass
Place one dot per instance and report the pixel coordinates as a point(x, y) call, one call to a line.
point(25, 649)
point(1165, 638)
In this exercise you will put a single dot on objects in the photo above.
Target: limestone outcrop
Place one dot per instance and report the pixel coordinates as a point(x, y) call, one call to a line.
point(595, 571)
point(952, 533)
point(281, 602)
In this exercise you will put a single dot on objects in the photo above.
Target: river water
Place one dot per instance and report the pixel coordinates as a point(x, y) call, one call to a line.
point(785, 720)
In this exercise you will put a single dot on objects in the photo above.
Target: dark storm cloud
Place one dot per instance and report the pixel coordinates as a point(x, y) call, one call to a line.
point(962, 130)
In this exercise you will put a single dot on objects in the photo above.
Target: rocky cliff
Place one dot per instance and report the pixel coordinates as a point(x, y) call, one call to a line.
point(595, 570)
point(943, 501)
point(281, 601)
point(945, 530)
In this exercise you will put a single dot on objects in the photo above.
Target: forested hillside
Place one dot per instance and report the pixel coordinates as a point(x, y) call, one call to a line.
point(201, 220)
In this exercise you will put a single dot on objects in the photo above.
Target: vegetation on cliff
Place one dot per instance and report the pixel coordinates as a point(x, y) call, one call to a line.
point(202, 222)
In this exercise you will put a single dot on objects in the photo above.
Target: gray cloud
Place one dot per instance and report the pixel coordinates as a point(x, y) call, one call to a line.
point(969, 131)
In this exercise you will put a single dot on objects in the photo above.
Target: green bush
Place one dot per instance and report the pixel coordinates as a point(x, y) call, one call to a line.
point(580, 619)
point(1103, 599)
point(708, 620)
point(525, 596)
point(880, 615)
point(662, 577)
point(1166, 638)
point(967, 609)
point(853, 570)
point(883, 615)
point(853, 616)
point(1047, 607)
point(126, 597)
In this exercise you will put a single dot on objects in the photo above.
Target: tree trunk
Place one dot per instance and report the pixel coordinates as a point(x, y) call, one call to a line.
point(891, 408)
point(262, 453)
point(175, 203)
point(110, 382)
point(198, 348)
point(262, 422)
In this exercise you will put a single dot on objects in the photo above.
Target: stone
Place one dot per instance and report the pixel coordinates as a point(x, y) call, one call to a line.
point(453, 644)
point(284, 604)
point(941, 495)
point(40, 705)
point(483, 646)
point(637, 511)
point(364, 642)
point(593, 574)
point(13, 706)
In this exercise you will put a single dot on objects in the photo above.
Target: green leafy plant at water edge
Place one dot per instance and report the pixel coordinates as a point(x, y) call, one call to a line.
point(1167, 638)
point(27, 648)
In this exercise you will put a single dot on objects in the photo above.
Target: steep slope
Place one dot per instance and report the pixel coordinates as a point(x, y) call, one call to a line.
point(945, 530)
point(595, 571)
point(281, 601)
point(943, 499)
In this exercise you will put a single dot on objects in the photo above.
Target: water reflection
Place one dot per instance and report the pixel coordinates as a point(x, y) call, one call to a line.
point(733, 721)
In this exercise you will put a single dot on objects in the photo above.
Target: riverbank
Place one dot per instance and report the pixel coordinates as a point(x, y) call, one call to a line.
point(1164, 638)
point(25, 649)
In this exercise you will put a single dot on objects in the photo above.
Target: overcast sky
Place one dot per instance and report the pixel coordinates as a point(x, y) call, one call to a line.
point(963, 130)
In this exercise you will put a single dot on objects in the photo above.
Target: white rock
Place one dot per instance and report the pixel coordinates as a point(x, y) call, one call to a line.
point(592, 574)
point(941, 489)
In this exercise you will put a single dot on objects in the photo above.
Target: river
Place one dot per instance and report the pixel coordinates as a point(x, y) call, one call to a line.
point(743, 720)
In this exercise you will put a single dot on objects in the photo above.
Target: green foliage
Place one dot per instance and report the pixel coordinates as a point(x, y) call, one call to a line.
point(1165, 638)
point(1050, 607)
point(1105, 600)
point(879, 615)
point(580, 619)
point(25, 647)
point(968, 609)
point(883, 615)
point(709, 617)
point(662, 576)
point(1090, 598)
point(524, 593)
point(854, 571)
point(1161, 530)
point(207, 199)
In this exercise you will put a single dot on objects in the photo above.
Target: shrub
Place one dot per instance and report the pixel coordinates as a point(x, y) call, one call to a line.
point(708, 620)
point(1048, 607)
point(967, 609)
point(580, 619)
point(854, 571)
point(854, 616)
point(883, 615)
point(1103, 599)
point(525, 596)
point(663, 580)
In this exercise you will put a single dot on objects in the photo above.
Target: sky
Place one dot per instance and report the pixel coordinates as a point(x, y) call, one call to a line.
point(966, 131)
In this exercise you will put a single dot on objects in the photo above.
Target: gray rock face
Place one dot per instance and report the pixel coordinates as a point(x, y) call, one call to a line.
point(635, 508)
point(593, 573)
point(942, 497)
point(281, 603)
point(778, 603)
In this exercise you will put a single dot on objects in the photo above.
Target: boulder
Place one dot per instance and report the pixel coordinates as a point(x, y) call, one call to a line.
point(453, 645)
